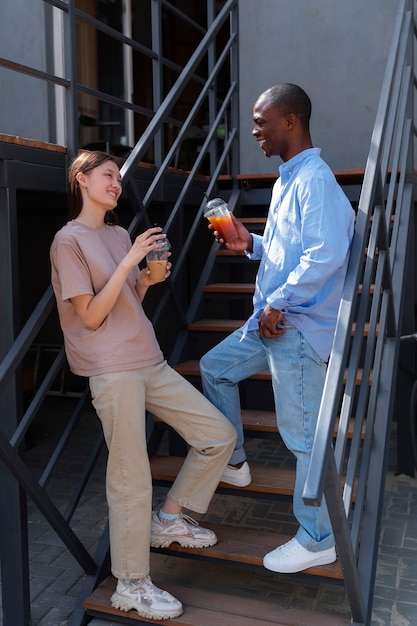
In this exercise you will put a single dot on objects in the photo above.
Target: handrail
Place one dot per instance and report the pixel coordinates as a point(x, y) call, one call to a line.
point(222, 111)
point(378, 263)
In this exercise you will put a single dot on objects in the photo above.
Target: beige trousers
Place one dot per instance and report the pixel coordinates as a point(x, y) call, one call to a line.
point(121, 400)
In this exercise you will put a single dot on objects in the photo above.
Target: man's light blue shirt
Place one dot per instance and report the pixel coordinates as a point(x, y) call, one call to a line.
point(304, 250)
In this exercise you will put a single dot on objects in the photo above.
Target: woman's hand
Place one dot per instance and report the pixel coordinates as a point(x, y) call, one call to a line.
point(144, 281)
point(143, 244)
point(243, 241)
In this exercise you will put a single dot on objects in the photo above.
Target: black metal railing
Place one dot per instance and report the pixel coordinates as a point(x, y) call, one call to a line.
point(215, 56)
point(361, 374)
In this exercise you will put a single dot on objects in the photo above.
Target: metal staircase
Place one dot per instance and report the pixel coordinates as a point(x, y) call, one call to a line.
point(350, 451)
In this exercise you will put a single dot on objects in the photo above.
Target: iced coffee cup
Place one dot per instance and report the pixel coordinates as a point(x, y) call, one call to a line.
point(156, 261)
point(218, 214)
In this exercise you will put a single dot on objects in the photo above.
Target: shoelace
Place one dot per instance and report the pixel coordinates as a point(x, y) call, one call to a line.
point(189, 520)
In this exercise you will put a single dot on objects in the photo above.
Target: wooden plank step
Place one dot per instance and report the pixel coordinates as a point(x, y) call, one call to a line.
point(266, 422)
point(256, 181)
point(236, 288)
point(207, 608)
point(252, 220)
point(214, 325)
point(266, 480)
point(228, 326)
point(256, 421)
point(229, 288)
point(192, 368)
point(247, 546)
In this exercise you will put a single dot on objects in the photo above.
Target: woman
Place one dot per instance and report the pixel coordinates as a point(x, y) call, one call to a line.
point(99, 290)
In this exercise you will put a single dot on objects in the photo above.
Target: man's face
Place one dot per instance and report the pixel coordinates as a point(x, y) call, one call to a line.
point(271, 128)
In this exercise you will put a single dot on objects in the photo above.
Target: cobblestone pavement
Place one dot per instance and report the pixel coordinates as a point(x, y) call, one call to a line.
point(56, 579)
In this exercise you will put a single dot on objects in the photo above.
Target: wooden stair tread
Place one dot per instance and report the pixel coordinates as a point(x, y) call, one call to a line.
point(266, 480)
point(192, 368)
point(228, 325)
point(256, 181)
point(229, 288)
point(215, 325)
point(248, 546)
point(265, 421)
point(256, 421)
point(208, 608)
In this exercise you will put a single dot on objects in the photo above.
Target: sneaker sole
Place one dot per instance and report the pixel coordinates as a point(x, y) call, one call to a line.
point(123, 604)
point(319, 560)
point(183, 541)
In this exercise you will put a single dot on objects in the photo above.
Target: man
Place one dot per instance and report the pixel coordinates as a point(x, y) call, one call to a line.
point(303, 259)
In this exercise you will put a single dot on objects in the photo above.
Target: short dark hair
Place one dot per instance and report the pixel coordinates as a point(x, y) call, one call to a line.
point(290, 98)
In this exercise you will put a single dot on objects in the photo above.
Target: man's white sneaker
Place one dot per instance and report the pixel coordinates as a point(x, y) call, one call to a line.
point(292, 557)
point(148, 600)
point(237, 476)
point(183, 530)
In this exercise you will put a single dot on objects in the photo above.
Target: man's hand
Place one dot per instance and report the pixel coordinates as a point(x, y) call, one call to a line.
point(268, 321)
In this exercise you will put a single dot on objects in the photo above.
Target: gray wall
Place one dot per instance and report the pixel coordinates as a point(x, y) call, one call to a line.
point(336, 50)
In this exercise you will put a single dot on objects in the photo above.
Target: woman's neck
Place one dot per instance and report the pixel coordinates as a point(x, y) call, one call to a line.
point(90, 217)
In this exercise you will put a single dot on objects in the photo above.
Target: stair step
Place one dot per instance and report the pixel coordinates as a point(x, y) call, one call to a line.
point(266, 480)
point(208, 608)
point(229, 288)
point(257, 181)
point(192, 368)
point(236, 288)
point(257, 422)
point(228, 326)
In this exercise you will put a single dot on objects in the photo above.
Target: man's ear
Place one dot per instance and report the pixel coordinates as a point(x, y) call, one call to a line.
point(290, 120)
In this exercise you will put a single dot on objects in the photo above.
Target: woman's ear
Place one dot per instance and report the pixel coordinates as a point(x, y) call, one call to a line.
point(80, 178)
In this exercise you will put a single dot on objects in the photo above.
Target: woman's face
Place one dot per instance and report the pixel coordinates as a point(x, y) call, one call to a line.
point(102, 185)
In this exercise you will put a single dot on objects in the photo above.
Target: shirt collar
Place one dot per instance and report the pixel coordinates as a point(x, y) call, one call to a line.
point(286, 169)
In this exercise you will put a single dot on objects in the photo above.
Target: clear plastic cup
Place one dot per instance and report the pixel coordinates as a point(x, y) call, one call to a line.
point(156, 261)
point(218, 214)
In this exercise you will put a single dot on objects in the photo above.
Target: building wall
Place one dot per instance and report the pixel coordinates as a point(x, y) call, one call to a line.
point(336, 51)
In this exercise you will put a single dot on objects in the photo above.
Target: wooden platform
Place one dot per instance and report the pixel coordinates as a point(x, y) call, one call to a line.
point(205, 608)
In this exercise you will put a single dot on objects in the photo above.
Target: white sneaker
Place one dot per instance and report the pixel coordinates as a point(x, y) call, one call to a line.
point(183, 530)
point(237, 476)
point(292, 557)
point(148, 600)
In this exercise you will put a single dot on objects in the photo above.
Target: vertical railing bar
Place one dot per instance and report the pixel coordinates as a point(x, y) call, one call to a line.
point(164, 165)
point(88, 468)
point(63, 440)
point(35, 404)
point(398, 143)
point(370, 420)
point(343, 542)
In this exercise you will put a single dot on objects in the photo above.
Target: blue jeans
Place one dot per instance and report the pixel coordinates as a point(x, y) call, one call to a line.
point(298, 375)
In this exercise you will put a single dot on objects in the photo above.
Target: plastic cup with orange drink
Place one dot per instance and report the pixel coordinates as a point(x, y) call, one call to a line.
point(218, 214)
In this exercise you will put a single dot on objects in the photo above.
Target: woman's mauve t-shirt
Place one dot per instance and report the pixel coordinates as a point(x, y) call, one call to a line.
point(83, 259)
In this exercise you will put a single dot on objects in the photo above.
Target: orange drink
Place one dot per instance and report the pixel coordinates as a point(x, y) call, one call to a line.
point(218, 214)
